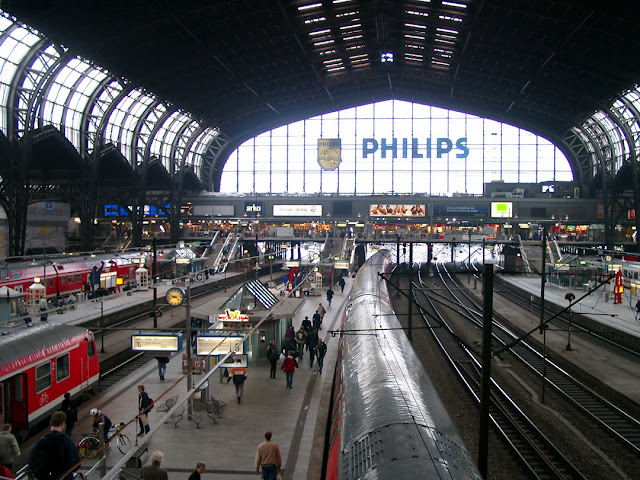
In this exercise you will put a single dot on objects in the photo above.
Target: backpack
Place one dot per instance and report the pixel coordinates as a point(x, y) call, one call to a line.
point(40, 463)
point(5, 472)
point(151, 404)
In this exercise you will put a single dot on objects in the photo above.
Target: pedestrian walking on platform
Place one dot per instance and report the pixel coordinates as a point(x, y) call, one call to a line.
point(162, 366)
point(197, 472)
point(301, 340)
point(69, 408)
point(143, 417)
point(55, 453)
point(153, 471)
point(268, 458)
point(329, 295)
point(341, 283)
point(317, 320)
point(321, 351)
point(289, 366)
point(321, 311)
point(239, 376)
point(306, 323)
point(9, 448)
point(313, 342)
point(273, 356)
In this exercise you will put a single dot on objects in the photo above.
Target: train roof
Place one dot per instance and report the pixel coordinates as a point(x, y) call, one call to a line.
point(23, 347)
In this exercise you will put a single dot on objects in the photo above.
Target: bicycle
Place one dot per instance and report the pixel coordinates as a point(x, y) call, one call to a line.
point(90, 444)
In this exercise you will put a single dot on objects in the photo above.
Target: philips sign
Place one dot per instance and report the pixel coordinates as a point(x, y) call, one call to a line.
point(411, 148)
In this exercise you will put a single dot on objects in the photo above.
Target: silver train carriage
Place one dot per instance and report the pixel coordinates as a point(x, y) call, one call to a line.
point(387, 419)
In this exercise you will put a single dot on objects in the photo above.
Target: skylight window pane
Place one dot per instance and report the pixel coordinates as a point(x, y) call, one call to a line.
point(353, 37)
point(346, 14)
point(415, 25)
point(447, 30)
point(417, 13)
point(319, 32)
point(326, 42)
point(315, 20)
point(310, 6)
point(454, 4)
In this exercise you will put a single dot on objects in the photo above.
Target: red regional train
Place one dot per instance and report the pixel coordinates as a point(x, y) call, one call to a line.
point(63, 276)
point(38, 365)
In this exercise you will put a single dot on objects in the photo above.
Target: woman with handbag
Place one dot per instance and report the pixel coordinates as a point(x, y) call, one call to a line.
point(239, 376)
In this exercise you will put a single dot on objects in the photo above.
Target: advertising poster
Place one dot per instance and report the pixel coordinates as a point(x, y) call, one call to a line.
point(397, 210)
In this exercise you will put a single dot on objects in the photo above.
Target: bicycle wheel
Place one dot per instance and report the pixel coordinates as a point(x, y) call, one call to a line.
point(124, 444)
point(88, 446)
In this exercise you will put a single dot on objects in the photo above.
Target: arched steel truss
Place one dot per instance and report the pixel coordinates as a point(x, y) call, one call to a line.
point(43, 84)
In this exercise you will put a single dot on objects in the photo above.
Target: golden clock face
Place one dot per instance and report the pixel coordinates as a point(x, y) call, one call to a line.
point(175, 296)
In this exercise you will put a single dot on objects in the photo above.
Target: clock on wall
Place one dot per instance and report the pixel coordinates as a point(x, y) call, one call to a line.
point(175, 296)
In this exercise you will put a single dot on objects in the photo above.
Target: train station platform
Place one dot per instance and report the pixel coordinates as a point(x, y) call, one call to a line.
point(617, 374)
point(297, 416)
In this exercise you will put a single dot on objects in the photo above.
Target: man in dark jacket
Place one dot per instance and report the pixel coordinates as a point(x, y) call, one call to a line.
point(69, 408)
point(321, 351)
point(143, 403)
point(198, 471)
point(153, 471)
point(55, 453)
point(272, 356)
point(312, 341)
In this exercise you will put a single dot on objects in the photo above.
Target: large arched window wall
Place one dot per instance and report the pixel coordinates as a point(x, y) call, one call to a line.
point(41, 84)
point(394, 147)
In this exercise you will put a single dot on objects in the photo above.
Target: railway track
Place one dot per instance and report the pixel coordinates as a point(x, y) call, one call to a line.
point(618, 423)
point(542, 458)
point(576, 330)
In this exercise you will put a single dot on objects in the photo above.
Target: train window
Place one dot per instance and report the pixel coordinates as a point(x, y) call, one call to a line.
point(63, 280)
point(62, 367)
point(91, 350)
point(635, 275)
point(43, 377)
point(70, 279)
point(50, 280)
point(78, 278)
point(17, 388)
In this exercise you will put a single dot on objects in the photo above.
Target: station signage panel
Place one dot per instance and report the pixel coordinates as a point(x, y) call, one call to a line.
point(220, 344)
point(297, 210)
point(460, 210)
point(254, 209)
point(501, 209)
point(397, 210)
point(156, 342)
point(341, 265)
point(234, 361)
point(233, 316)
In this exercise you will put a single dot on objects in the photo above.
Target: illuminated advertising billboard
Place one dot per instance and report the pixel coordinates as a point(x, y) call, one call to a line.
point(397, 210)
point(297, 210)
point(501, 209)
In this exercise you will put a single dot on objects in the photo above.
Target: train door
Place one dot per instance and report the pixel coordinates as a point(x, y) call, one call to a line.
point(18, 402)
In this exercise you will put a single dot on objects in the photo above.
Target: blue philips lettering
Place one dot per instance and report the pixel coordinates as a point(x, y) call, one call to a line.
point(393, 147)
point(461, 144)
point(411, 147)
point(414, 149)
point(444, 146)
point(366, 149)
